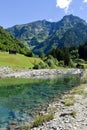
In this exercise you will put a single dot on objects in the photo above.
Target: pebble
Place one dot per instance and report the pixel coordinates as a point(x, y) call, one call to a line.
point(68, 122)
point(7, 72)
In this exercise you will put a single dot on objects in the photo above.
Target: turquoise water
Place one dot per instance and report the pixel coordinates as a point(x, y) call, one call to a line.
point(21, 102)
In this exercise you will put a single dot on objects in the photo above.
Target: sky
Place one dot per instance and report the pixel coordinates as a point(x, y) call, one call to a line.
point(15, 12)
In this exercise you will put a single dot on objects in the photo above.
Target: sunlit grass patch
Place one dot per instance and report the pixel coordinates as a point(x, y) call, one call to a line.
point(77, 91)
point(40, 119)
point(18, 60)
point(69, 100)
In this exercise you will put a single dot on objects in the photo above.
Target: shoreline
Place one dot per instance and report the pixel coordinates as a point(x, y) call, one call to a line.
point(66, 116)
point(62, 113)
point(7, 72)
point(70, 111)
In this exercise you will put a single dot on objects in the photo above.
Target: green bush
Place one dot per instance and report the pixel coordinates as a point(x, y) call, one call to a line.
point(51, 61)
point(29, 54)
point(36, 66)
point(80, 61)
point(61, 63)
point(80, 66)
point(40, 66)
point(71, 64)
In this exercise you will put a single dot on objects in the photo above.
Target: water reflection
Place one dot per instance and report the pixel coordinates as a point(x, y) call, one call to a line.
point(20, 102)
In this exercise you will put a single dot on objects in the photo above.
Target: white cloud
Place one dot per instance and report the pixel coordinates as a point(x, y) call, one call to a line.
point(64, 4)
point(84, 1)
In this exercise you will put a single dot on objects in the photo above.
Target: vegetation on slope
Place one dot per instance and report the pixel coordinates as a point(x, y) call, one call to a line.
point(8, 42)
point(51, 41)
point(18, 60)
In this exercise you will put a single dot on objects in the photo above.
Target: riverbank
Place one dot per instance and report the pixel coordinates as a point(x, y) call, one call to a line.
point(6, 72)
point(70, 111)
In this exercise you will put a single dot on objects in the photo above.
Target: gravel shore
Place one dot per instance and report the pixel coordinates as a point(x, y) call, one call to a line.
point(69, 117)
point(6, 72)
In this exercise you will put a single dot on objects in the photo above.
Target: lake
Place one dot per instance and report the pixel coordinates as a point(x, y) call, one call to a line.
point(21, 99)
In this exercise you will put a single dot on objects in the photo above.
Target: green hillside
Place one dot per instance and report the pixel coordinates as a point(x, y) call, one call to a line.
point(18, 60)
point(9, 42)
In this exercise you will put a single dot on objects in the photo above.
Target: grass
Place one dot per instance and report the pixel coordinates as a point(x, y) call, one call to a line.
point(18, 60)
point(69, 100)
point(80, 90)
point(73, 113)
point(40, 119)
point(25, 127)
point(77, 91)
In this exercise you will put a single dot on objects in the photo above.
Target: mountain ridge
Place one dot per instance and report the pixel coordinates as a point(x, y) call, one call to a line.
point(41, 36)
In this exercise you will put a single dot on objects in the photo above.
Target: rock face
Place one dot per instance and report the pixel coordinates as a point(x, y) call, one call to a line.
point(73, 117)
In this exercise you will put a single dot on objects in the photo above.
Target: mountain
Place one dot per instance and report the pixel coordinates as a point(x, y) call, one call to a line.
point(32, 33)
point(9, 42)
point(42, 36)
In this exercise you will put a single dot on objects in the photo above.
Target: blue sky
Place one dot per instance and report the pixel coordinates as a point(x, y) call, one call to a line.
point(14, 12)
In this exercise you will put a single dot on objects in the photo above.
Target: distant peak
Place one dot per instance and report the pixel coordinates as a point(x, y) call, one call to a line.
point(71, 17)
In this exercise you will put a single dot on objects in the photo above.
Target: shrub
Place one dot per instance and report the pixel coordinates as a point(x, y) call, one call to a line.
point(71, 64)
point(51, 61)
point(61, 63)
point(80, 61)
point(36, 66)
point(80, 66)
point(29, 54)
point(40, 66)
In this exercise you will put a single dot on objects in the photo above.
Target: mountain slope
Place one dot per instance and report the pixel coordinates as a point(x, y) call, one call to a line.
point(32, 33)
point(70, 31)
point(75, 36)
point(42, 36)
point(8, 42)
